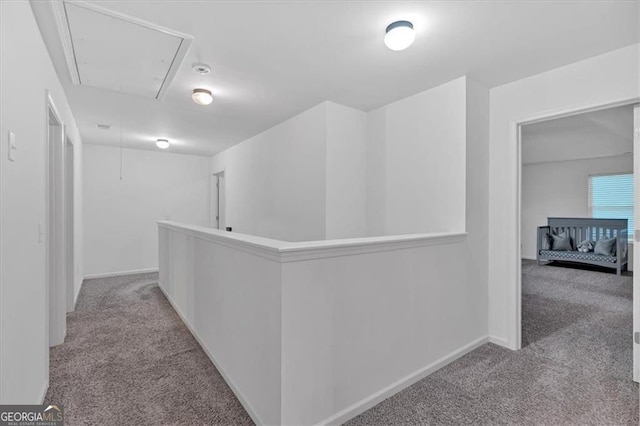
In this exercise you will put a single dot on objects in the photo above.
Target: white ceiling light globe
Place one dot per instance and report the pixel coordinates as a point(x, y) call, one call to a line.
point(162, 143)
point(400, 35)
point(202, 96)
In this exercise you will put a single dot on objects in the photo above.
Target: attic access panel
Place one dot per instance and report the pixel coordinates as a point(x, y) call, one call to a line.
point(116, 52)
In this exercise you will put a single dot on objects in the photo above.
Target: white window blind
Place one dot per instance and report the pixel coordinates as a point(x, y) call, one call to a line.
point(611, 197)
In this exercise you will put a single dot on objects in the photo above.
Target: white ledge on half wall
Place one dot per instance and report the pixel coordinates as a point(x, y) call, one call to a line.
point(285, 251)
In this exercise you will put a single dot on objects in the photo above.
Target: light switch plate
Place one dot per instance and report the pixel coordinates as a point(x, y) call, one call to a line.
point(12, 146)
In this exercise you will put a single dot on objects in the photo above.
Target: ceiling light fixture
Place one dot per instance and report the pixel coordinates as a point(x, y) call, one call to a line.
point(162, 143)
point(202, 96)
point(400, 35)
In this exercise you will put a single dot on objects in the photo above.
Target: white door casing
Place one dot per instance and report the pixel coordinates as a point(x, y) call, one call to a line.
point(54, 230)
point(69, 223)
point(636, 251)
point(218, 205)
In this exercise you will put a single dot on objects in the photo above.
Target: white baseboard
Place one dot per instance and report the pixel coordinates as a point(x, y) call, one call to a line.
point(121, 273)
point(43, 392)
point(528, 258)
point(388, 391)
point(499, 341)
point(254, 416)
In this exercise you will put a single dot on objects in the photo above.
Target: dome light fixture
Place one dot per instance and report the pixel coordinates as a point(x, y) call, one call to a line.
point(202, 96)
point(162, 143)
point(400, 35)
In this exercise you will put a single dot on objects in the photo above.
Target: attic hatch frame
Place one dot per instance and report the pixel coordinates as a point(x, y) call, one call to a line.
point(62, 24)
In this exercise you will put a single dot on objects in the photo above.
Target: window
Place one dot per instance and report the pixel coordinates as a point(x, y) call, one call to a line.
point(611, 197)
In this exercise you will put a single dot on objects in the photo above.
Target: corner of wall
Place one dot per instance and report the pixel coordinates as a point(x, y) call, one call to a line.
point(346, 172)
point(376, 171)
point(477, 196)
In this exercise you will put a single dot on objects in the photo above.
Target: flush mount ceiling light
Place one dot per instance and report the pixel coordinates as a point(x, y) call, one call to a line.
point(162, 143)
point(400, 35)
point(202, 96)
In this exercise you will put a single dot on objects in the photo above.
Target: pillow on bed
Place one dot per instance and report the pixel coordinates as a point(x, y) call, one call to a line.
point(606, 246)
point(546, 242)
point(561, 242)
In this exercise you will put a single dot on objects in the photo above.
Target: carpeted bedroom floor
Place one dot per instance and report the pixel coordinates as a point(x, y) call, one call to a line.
point(129, 360)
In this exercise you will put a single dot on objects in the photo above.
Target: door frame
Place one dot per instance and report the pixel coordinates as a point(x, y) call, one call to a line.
point(636, 253)
point(515, 137)
point(54, 232)
point(69, 220)
point(218, 216)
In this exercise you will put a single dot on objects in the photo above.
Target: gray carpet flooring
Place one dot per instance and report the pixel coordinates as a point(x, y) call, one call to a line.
point(129, 360)
point(575, 369)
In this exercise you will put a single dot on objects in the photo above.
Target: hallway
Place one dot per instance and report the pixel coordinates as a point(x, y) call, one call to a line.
point(129, 354)
point(128, 359)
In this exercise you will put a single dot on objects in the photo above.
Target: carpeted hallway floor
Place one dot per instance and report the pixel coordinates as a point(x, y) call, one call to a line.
point(129, 360)
point(575, 369)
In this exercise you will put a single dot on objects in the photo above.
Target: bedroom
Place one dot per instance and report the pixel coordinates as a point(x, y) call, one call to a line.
point(575, 313)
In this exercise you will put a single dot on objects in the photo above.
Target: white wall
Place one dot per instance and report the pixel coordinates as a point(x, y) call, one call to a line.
point(337, 172)
point(346, 165)
point(275, 181)
point(416, 162)
point(26, 73)
point(604, 79)
point(477, 202)
point(120, 215)
point(356, 326)
point(322, 340)
point(560, 189)
point(230, 299)
point(302, 180)
point(416, 155)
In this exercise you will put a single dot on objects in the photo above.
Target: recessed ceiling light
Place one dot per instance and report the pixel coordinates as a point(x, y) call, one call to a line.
point(202, 96)
point(202, 68)
point(162, 143)
point(400, 35)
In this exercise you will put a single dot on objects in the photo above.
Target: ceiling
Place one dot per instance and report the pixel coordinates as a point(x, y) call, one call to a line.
point(604, 133)
point(271, 60)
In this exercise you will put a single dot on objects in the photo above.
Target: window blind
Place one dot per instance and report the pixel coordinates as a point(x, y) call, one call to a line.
point(611, 197)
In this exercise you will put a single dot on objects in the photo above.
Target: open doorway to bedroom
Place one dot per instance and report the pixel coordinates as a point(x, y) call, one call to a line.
point(577, 226)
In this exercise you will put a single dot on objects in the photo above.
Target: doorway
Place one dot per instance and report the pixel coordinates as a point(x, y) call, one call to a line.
point(562, 184)
point(218, 200)
point(54, 231)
